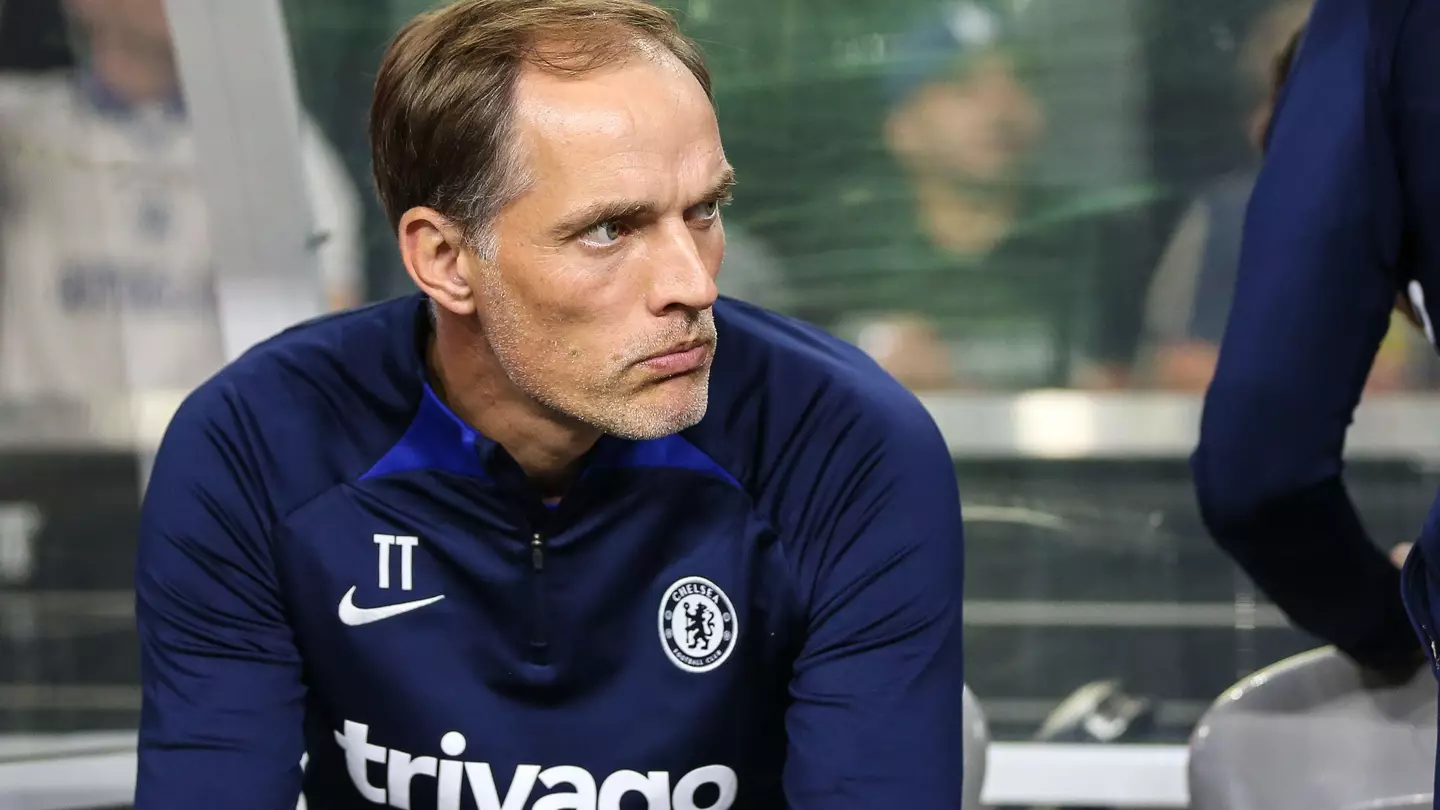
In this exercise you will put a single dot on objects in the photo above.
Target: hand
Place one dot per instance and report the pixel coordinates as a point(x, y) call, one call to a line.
point(1399, 553)
point(910, 348)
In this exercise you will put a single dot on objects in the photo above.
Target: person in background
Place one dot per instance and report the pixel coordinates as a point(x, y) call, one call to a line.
point(960, 125)
point(949, 260)
point(106, 281)
point(1336, 228)
point(905, 243)
point(1190, 294)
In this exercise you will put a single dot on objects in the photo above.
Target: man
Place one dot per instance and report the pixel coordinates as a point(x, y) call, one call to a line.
point(534, 538)
point(921, 270)
point(1340, 222)
point(108, 282)
point(949, 260)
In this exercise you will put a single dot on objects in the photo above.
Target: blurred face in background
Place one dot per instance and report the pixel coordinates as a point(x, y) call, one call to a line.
point(597, 304)
point(976, 126)
point(129, 46)
point(136, 24)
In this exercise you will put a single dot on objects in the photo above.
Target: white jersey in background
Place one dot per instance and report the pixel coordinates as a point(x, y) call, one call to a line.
point(107, 281)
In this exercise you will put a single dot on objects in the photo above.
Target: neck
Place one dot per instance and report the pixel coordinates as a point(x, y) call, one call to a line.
point(961, 223)
point(468, 377)
point(136, 76)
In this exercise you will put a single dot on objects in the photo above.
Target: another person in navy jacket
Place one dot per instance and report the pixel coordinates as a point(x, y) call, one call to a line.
point(1342, 221)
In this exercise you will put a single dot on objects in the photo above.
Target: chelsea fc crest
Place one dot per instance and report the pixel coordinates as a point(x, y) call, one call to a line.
point(698, 628)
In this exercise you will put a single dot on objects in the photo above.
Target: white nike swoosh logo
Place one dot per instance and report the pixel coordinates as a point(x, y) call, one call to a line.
point(356, 616)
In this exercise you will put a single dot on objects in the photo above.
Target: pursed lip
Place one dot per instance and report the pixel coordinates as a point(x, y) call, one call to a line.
point(678, 348)
point(679, 358)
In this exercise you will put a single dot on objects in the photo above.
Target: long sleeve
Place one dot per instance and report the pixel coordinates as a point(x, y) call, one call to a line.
point(221, 724)
point(1318, 278)
point(877, 689)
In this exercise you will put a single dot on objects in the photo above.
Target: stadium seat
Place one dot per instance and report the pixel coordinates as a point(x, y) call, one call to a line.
point(977, 741)
point(1315, 730)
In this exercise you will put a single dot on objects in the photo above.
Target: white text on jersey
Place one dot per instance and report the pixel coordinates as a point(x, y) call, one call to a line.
point(584, 794)
point(407, 559)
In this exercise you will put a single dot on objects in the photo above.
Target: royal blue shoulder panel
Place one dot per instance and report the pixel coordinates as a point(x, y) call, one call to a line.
point(437, 439)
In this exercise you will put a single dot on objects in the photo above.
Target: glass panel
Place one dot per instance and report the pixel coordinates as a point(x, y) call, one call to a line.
point(109, 316)
point(983, 193)
point(337, 46)
point(107, 311)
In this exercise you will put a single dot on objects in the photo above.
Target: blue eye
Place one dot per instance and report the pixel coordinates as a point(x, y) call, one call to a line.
point(706, 210)
point(605, 234)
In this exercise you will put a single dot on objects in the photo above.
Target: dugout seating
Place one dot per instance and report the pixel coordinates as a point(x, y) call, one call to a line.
point(1315, 730)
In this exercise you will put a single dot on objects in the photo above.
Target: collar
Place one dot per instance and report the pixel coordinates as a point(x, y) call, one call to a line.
point(437, 438)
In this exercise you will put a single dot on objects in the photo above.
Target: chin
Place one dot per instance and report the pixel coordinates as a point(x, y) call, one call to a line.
point(658, 412)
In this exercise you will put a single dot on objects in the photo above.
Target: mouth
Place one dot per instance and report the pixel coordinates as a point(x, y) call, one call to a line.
point(682, 358)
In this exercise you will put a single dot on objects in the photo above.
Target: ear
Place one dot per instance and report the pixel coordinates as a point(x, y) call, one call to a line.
point(437, 259)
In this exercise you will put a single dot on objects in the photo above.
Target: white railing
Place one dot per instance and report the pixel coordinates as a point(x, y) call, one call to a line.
point(1037, 424)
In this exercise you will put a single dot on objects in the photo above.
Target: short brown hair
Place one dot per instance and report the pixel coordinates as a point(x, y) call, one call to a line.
point(441, 119)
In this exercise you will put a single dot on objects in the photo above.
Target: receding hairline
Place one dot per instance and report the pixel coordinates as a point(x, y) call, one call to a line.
point(430, 59)
point(642, 50)
point(603, 46)
point(529, 103)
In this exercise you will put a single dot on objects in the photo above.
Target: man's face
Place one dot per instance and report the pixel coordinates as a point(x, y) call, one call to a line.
point(598, 303)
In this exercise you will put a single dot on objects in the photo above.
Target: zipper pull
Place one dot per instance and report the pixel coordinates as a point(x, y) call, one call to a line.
point(537, 552)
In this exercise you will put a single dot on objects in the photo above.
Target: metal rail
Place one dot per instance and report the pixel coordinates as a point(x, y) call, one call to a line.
point(1039, 424)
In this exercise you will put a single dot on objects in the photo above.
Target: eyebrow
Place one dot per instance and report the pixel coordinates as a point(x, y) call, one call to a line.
point(608, 210)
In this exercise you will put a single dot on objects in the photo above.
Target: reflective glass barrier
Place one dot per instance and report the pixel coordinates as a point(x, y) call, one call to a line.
point(105, 296)
point(112, 308)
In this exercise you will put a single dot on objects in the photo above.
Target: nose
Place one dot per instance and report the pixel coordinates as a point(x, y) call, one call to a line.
point(684, 266)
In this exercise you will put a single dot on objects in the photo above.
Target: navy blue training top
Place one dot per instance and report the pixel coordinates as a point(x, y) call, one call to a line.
point(763, 611)
point(1344, 217)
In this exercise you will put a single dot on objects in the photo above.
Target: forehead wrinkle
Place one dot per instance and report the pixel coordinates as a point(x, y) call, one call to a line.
point(568, 123)
point(612, 135)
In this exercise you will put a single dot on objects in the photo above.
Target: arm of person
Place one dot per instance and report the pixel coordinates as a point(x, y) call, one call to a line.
point(221, 722)
point(1312, 304)
point(877, 688)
